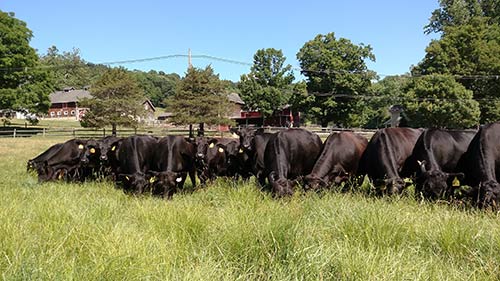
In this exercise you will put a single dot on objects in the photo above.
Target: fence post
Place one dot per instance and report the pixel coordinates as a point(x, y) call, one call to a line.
point(43, 132)
point(74, 132)
point(14, 133)
point(103, 132)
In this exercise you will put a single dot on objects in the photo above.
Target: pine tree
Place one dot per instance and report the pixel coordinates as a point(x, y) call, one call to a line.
point(117, 100)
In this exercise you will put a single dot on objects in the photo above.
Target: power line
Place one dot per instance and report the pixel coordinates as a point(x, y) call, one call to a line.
point(232, 61)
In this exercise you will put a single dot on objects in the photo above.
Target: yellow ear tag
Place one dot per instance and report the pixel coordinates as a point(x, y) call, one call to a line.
point(152, 179)
point(455, 182)
point(80, 146)
point(211, 145)
point(92, 150)
point(221, 149)
point(113, 148)
point(240, 151)
point(127, 177)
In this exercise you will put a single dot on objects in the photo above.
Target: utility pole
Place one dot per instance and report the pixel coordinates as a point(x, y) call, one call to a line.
point(189, 58)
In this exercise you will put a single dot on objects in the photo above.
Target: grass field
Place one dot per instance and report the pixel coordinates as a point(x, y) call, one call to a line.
point(230, 231)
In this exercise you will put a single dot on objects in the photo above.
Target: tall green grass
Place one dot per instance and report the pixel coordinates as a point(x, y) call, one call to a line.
point(230, 231)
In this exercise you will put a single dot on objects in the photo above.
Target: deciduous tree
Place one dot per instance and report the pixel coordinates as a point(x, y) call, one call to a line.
point(24, 85)
point(337, 76)
point(268, 86)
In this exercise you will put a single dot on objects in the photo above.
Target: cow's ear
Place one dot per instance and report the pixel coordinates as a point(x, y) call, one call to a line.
point(115, 145)
point(221, 148)
point(212, 142)
point(459, 176)
point(234, 131)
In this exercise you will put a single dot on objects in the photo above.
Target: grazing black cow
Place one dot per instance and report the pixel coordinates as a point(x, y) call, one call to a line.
point(253, 143)
point(338, 161)
point(434, 160)
point(35, 163)
point(290, 154)
point(385, 156)
point(63, 163)
point(481, 165)
point(135, 155)
point(174, 159)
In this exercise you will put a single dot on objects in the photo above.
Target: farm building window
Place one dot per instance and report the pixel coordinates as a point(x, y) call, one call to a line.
point(59, 113)
point(72, 112)
point(52, 114)
point(65, 113)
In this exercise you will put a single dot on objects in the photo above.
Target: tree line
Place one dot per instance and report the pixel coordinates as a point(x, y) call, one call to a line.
point(455, 85)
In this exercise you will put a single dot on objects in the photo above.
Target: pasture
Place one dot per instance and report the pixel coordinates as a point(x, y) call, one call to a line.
point(231, 231)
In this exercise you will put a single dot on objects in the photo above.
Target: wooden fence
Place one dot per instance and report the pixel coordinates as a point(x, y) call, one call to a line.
point(99, 133)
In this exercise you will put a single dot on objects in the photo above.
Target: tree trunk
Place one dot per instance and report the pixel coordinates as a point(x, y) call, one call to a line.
point(113, 129)
point(201, 130)
point(191, 135)
point(324, 124)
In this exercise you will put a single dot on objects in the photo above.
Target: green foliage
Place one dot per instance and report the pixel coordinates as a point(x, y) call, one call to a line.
point(268, 85)
point(337, 76)
point(382, 95)
point(462, 12)
point(157, 86)
point(440, 101)
point(472, 53)
point(199, 98)
point(23, 85)
point(230, 231)
point(117, 100)
point(70, 70)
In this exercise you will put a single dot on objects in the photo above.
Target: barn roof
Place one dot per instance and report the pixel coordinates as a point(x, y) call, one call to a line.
point(69, 95)
point(234, 97)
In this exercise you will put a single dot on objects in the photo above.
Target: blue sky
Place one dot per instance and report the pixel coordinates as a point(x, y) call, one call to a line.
point(106, 31)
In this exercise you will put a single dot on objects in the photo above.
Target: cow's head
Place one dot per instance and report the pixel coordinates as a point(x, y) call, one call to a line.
point(280, 186)
point(434, 183)
point(166, 183)
point(234, 154)
point(108, 147)
point(31, 165)
point(313, 182)
point(135, 183)
point(91, 153)
point(489, 194)
point(391, 186)
point(201, 149)
point(247, 137)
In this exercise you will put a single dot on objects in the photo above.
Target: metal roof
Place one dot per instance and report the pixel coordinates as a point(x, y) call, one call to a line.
point(234, 97)
point(69, 96)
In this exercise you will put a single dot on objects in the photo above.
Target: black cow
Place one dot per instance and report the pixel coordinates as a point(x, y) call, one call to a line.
point(135, 156)
point(211, 158)
point(290, 154)
point(236, 159)
point(35, 163)
point(174, 159)
point(338, 161)
point(481, 165)
point(385, 156)
point(434, 160)
point(90, 160)
point(63, 163)
point(253, 143)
